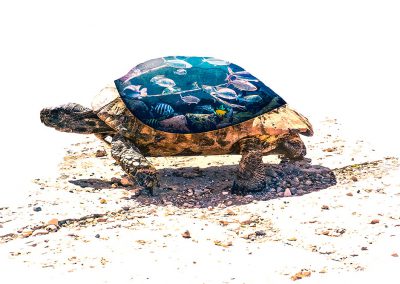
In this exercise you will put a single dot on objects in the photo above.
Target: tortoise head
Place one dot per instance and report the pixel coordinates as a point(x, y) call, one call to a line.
point(73, 118)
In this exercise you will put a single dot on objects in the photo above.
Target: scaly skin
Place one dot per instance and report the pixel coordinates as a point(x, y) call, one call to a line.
point(277, 130)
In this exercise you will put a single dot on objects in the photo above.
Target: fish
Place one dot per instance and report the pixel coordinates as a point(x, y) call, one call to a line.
point(251, 99)
point(190, 99)
point(243, 85)
point(180, 72)
point(208, 89)
point(152, 122)
point(205, 109)
point(215, 61)
point(240, 75)
point(134, 91)
point(171, 90)
point(178, 63)
point(162, 109)
point(226, 93)
point(156, 78)
point(235, 106)
point(221, 111)
point(165, 82)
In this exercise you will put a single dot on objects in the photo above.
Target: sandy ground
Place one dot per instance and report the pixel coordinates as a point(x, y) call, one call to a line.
point(194, 231)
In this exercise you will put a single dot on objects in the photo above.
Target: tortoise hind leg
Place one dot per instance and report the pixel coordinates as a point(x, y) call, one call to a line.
point(134, 163)
point(251, 173)
point(294, 148)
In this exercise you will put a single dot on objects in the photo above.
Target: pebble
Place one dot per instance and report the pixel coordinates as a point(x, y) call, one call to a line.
point(260, 233)
point(287, 192)
point(364, 248)
point(353, 178)
point(325, 207)
point(292, 239)
point(101, 153)
point(97, 236)
point(225, 193)
point(308, 182)
point(40, 232)
point(125, 181)
point(394, 254)
point(52, 228)
point(186, 234)
point(37, 209)
point(374, 221)
point(53, 221)
point(223, 243)
point(27, 233)
point(349, 194)
point(103, 201)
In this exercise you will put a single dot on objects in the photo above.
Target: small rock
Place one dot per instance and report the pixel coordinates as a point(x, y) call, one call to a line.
point(225, 193)
point(245, 219)
point(394, 254)
point(103, 201)
point(114, 185)
point(309, 182)
point(186, 234)
point(301, 275)
point(102, 220)
point(125, 181)
point(40, 232)
point(292, 239)
point(364, 248)
point(353, 178)
point(260, 233)
point(229, 203)
point(374, 221)
point(325, 207)
point(26, 233)
point(101, 153)
point(52, 228)
point(230, 212)
point(223, 243)
point(126, 208)
point(37, 209)
point(53, 221)
point(349, 194)
point(287, 192)
point(97, 236)
point(329, 150)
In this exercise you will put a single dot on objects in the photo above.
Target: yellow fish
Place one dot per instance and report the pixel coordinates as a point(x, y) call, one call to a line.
point(221, 111)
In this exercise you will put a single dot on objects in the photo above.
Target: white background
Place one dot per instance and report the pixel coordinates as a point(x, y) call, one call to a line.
point(326, 58)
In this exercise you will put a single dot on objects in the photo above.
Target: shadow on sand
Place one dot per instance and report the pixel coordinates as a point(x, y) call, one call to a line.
point(193, 187)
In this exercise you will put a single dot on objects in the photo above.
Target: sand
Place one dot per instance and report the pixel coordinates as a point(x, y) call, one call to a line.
point(195, 231)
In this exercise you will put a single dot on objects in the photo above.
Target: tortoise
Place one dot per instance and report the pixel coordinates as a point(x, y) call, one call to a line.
point(186, 106)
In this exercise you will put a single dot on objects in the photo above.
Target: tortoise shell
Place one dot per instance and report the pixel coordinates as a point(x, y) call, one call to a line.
point(179, 94)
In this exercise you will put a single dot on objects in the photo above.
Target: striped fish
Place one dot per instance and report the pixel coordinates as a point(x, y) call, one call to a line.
point(162, 109)
point(152, 122)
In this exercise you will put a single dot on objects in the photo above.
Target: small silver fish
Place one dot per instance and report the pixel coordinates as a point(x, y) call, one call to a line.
point(226, 93)
point(251, 99)
point(156, 78)
point(180, 72)
point(165, 82)
point(178, 63)
point(171, 90)
point(134, 91)
point(215, 61)
point(190, 99)
point(208, 89)
point(240, 75)
point(243, 85)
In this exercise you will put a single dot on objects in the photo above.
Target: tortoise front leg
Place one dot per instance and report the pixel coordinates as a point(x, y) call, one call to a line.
point(134, 163)
point(251, 174)
point(294, 148)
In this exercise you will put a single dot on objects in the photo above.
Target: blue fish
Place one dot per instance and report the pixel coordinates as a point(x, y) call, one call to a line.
point(178, 63)
point(162, 109)
point(134, 91)
point(180, 72)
